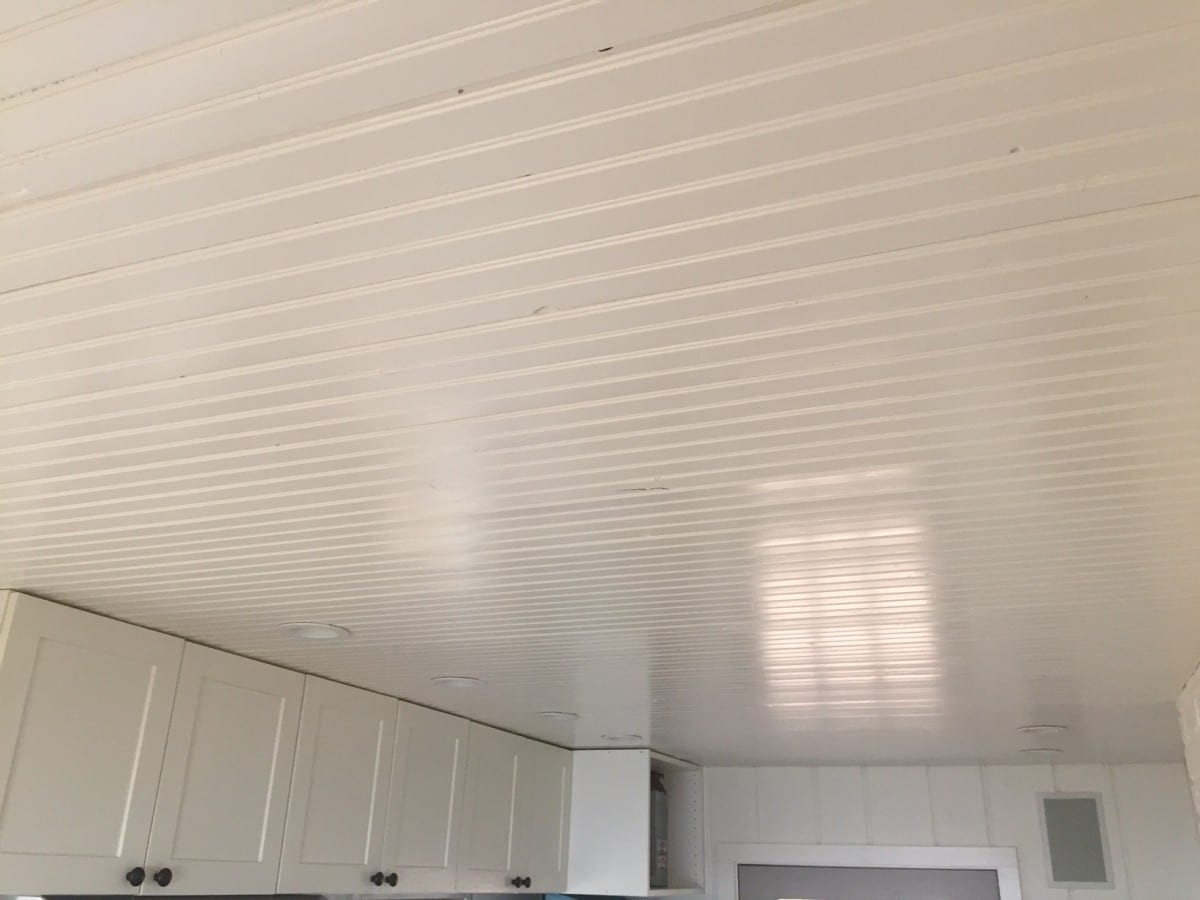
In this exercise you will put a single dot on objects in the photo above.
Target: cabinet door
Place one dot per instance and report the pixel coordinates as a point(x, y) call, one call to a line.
point(218, 822)
point(334, 836)
point(543, 812)
point(421, 839)
point(85, 703)
point(486, 848)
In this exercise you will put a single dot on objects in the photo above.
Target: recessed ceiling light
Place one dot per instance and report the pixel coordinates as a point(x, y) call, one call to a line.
point(314, 631)
point(1042, 729)
point(559, 714)
point(620, 738)
point(456, 681)
point(1041, 750)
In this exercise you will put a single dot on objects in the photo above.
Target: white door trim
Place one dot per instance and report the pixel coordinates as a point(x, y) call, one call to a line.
point(1002, 859)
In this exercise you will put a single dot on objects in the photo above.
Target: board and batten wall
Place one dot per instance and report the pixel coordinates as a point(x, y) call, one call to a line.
point(1151, 829)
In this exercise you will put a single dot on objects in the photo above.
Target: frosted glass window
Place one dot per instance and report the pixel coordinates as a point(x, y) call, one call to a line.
point(1074, 834)
point(838, 883)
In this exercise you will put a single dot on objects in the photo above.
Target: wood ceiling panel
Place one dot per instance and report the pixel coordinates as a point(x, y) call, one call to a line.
point(827, 368)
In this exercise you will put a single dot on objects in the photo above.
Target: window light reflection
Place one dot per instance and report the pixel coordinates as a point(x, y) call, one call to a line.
point(846, 602)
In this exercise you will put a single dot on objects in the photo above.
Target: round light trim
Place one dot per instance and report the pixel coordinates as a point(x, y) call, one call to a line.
point(1042, 729)
point(621, 738)
point(456, 681)
point(559, 715)
point(1041, 750)
point(314, 631)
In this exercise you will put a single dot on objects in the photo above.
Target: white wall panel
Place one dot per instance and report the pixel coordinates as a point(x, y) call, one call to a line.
point(787, 804)
point(733, 799)
point(898, 805)
point(1153, 843)
point(959, 811)
point(841, 803)
point(1158, 832)
point(1013, 820)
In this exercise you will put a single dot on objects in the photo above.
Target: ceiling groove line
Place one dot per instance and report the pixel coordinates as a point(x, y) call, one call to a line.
point(541, 179)
point(697, 38)
point(528, 590)
point(841, 441)
point(989, 299)
point(526, 449)
point(981, 166)
point(1143, 211)
point(729, 613)
point(1109, 512)
point(739, 511)
point(310, 9)
point(108, 473)
point(246, 496)
point(708, 387)
point(938, 88)
point(799, 415)
point(607, 603)
point(227, 372)
point(407, 111)
point(887, 257)
point(501, 572)
point(1121, 513)
point(35, 25)
point(262, 92)
point(477, 99)
point(930, 508)
point(1102, 532)
point(663, 298)
point(1025, 341)
point(609, 485)
point(732, 615)
point(547, 598)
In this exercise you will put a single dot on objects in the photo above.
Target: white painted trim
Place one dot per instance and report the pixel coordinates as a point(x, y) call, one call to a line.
point(1001, 859)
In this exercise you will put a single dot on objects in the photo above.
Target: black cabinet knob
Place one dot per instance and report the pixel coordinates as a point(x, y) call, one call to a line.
point(521, 882)
point(377, 879)
point(136, 876)
point(162, 877)
point(393, 879)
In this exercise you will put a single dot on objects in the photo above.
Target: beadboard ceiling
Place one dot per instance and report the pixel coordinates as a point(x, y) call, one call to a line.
point(789, 382)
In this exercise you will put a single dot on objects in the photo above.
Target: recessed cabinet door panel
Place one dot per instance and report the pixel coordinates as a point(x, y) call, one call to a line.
point(421, 839)
point(542, 816)
point(218, 823)
point(85, 704)
point(333, 841)
point(485, 853)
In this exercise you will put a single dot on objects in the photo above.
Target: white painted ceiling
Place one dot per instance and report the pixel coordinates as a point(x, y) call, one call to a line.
point(765, 382)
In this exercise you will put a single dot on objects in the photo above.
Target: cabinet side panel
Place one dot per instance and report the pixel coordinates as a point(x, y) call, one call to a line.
point(610, 823)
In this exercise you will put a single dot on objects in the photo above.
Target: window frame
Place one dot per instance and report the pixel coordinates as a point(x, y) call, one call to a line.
point(1001, 860)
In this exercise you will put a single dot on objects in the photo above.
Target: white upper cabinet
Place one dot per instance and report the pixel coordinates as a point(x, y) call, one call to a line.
point(133, 763)
point(515, 814)
point(85, 704)
point(486, 851)
point(333, 841)
point(421, 839)
point(542, 816)
point(218, 823)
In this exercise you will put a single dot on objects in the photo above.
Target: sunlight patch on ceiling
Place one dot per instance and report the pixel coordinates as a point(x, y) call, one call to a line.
point(846, 602)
